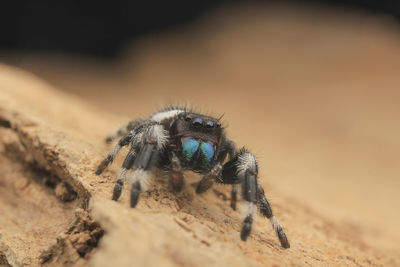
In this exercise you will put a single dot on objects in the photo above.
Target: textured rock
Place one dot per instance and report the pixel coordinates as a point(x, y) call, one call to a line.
point(55, 211)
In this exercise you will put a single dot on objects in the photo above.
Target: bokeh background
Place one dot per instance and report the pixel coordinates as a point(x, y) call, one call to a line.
point(312, 88)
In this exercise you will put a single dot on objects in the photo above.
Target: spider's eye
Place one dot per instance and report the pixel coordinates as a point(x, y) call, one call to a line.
point(187, 118)
point(197, 122)
point(218, 124)
point(209, 124)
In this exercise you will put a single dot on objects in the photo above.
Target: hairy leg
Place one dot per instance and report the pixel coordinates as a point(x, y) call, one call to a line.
point(266, 210)
point(124, 141)
point(243, 169)
point(127, 165)
point(153, 138)
point(247, 170)
point(234, 196)
point(123, 130)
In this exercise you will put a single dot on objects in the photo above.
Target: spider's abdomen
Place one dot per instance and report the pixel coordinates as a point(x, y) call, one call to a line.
point(197, 154)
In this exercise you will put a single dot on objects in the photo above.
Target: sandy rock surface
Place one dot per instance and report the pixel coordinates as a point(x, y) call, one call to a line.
point(56, 212)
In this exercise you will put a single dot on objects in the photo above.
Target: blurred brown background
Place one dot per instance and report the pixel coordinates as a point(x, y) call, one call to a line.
point(312, 90)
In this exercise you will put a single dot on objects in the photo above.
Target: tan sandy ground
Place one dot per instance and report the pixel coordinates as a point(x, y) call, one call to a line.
point(313, 93)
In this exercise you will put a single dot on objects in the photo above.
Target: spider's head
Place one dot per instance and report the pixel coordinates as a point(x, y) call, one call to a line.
point(199, 139)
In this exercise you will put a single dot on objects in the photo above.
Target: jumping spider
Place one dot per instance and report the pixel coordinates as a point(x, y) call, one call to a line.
point(177, 139)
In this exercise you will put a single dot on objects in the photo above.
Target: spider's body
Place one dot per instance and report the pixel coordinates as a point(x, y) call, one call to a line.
point(177, 139)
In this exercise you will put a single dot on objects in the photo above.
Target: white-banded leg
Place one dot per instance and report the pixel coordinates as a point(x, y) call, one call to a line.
point(124, 141)
point(123, 130)
point(266, 210)
point(121, 177)
point(154, 138)
point(247, 172)
point(243, 169)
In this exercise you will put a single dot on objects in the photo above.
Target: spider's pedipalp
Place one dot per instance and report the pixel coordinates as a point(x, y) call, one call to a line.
point(176, 179)
point(207, 181)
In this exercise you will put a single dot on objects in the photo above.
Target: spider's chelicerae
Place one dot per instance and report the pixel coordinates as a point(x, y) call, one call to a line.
point(177, 139)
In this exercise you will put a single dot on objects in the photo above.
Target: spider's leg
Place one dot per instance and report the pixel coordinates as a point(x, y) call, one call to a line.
point(230, 148)
point(154, 138)
point(127, 165)
point(234, 196)
point(247, 171)
point(242, 169)
point(123, 130)
point(266, 210)
point(176, 178)
point(114, 151)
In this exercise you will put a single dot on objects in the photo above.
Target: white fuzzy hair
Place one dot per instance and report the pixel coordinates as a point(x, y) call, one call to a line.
point(155, 133)
point(275, 224)
point(248, 208)
point(245, 161)
point(162, 115)
point(141, 176)
point(158, 134)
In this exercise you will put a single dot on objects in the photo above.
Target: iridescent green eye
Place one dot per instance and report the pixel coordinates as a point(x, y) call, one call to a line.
point(207, 152)
point(189, 147)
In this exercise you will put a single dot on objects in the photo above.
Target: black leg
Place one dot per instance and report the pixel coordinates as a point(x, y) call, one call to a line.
point(246, 228)
point(135, 193)
point(234, 197)
point(124, 141)
point(266, 210)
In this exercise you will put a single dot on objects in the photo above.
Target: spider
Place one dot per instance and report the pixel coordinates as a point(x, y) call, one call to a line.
point(176, 139)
